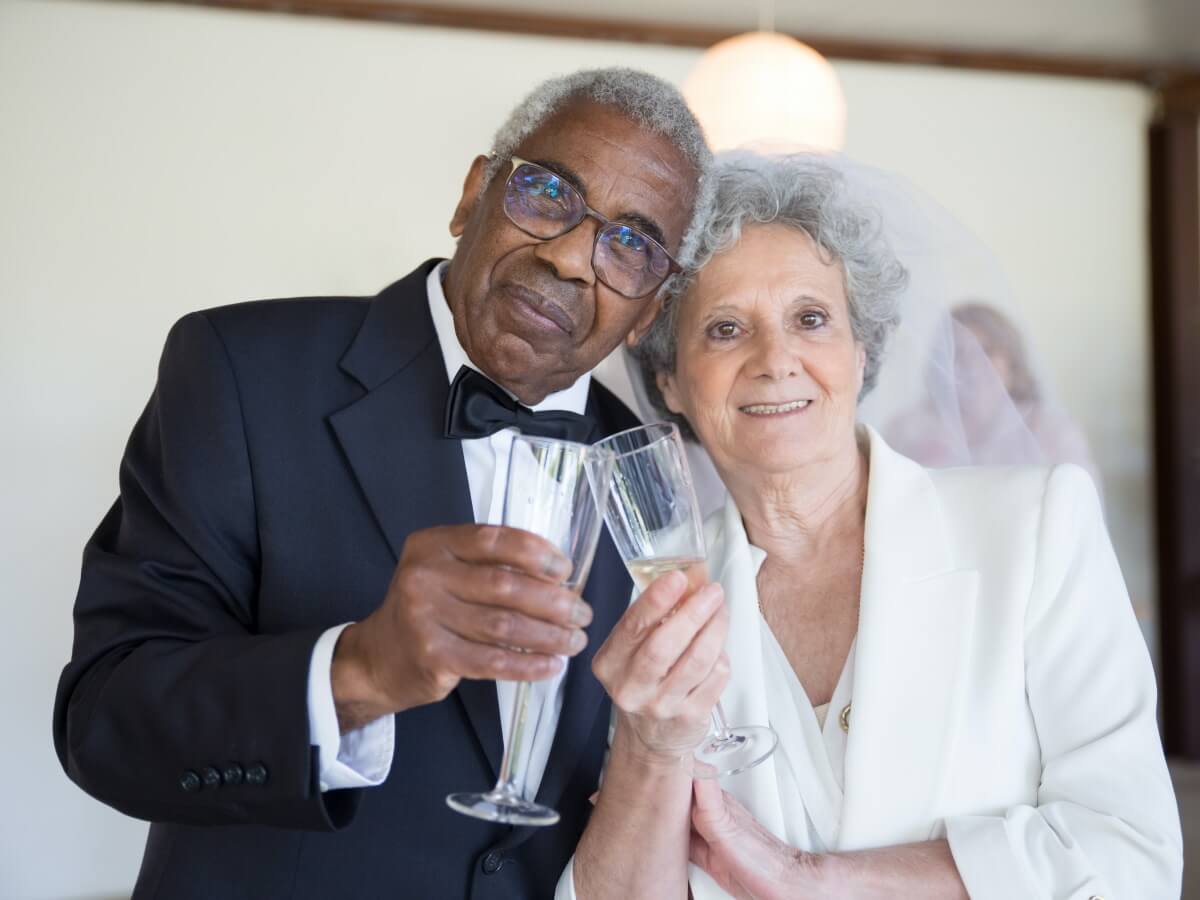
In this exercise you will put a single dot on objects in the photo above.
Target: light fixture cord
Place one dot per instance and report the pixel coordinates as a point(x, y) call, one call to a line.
point(766, 15)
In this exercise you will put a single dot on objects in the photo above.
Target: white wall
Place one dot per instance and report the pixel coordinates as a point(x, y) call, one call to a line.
point(156, 160)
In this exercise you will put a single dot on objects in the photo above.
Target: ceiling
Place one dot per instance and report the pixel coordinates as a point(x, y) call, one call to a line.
point(1150, 32)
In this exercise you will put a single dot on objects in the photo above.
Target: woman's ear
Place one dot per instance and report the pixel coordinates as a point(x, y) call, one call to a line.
point(666, 384)
point(861, 357)
point(472, 187)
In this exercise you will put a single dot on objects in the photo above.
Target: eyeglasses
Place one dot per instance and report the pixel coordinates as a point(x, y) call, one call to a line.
point(545, 205)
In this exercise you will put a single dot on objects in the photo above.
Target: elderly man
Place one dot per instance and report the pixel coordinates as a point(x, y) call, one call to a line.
point(290, 625)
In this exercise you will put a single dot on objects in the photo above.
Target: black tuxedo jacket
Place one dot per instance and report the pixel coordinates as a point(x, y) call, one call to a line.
point(288, 450)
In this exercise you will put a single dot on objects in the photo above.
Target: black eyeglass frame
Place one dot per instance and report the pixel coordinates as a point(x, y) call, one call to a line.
point(673, 266)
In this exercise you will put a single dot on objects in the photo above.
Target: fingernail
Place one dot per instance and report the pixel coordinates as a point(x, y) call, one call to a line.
point(578, 641)
point(678, 580)
point(558, 567)
point(581, 614)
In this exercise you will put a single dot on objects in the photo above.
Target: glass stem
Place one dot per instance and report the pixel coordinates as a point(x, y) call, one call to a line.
point(720, 729)
point(510, 767)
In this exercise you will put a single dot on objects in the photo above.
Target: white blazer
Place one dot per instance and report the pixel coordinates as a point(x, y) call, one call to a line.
point(1003, 696)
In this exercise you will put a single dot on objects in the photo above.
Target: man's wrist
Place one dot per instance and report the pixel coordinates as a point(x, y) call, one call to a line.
point(356, 698)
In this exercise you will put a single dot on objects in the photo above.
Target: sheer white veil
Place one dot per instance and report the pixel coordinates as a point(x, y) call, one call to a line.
point(958, 384)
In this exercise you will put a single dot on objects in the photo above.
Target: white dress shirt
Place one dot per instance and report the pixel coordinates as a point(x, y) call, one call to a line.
point(363, 757)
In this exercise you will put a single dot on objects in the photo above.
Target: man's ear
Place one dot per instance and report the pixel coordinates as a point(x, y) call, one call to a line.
point(472, 188)
point(643, 322)
point(666, 384)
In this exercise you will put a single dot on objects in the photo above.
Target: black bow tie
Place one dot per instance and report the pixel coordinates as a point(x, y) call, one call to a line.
point(478, 407)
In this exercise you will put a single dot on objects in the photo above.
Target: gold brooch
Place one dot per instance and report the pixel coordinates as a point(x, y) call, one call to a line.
point(844, 718)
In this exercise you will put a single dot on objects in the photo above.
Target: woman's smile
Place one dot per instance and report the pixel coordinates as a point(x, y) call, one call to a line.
point(774, 410)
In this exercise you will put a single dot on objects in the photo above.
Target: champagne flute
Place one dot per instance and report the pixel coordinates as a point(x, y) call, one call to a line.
point(552, 491)
point(655, 521)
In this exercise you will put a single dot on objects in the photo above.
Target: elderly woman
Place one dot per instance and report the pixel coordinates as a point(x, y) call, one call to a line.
point(964, 703)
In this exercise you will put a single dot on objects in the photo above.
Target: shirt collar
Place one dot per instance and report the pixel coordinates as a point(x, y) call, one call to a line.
point(735, 536)
point(572, 399)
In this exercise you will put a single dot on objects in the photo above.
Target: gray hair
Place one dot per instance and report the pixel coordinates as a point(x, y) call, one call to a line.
point(651, 102)
point(808, 193)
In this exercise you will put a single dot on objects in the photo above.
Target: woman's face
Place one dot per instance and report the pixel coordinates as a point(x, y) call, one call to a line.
point(767, 370)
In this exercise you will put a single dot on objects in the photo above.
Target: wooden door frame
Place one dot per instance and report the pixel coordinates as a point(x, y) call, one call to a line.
point(673, 34)
point(1174, 143)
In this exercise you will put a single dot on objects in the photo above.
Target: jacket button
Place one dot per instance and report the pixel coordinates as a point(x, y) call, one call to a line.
point(493, 863)
point(212, 778)
point(256, 774)
point(233, 774)
point(190, 781)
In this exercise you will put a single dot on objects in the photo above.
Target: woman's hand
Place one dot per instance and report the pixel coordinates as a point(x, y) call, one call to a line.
point(750, 863)
point(745, 859)
point(664, 665)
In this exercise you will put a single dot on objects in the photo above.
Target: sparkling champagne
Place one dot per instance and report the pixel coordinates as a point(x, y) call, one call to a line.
point(644, 571)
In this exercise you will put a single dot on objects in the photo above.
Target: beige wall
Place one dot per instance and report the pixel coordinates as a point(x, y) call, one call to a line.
point(156, 160)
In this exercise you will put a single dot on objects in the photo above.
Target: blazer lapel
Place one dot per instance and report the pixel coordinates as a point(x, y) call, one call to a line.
point(411, 476)
point(745, 700)
point(392, 436)
point(915, 629)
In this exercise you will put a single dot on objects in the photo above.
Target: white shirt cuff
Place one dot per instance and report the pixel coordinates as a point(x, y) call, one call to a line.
point(359, 758)
point(565, 890)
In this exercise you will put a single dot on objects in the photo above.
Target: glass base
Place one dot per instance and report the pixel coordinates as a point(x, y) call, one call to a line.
point(497, 806)
point(736, 751)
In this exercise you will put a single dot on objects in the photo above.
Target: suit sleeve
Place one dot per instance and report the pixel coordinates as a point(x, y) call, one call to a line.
point(1106, 824)
point(174, 706)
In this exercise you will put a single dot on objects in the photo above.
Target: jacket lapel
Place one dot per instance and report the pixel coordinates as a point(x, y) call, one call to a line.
point(411, 476)
point(915, 629)
point(745, 700)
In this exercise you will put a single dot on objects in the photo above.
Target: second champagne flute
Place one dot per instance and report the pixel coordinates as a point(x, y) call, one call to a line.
point(552, 490)
point(655, 521)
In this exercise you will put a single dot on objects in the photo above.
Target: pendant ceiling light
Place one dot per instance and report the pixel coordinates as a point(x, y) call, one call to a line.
point(769, 91)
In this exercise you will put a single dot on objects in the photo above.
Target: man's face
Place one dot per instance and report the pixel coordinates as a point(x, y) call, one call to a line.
point(532, 314)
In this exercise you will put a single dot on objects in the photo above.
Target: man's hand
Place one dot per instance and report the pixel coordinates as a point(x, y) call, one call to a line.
point(465, 601)
point(664, 665)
